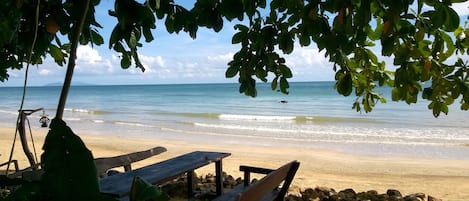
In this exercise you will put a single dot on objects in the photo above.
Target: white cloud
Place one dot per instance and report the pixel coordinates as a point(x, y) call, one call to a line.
point(223, 58)
point(44, 72)
point(90, 62)
point(151, 62)
point(308, 64)
point(88, 55)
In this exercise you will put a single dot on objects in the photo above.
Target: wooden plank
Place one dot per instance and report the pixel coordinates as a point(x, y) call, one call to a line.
point(266, 189)
point(106, 163)
point(119, 185)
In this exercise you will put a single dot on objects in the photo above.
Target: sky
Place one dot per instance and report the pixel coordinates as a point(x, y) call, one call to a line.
point(172, 59)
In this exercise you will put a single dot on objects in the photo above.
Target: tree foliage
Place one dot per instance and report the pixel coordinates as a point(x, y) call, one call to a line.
point(425, 40)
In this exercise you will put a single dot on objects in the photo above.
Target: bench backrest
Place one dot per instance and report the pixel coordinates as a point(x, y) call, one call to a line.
point(267, 185)
point(106, 163)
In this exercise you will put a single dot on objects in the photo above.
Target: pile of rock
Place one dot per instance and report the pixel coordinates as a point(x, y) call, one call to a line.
point(205, 190)
point(329, 194)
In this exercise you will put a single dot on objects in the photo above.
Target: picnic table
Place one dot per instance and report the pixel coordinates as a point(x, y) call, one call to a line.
point(119, 185)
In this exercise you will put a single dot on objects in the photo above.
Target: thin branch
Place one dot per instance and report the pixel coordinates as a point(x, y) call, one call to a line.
point(71, 64)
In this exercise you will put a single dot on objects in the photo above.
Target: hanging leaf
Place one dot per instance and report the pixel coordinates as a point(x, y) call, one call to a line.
point(125, 61)
point(451, 20)
point(284, 85)
point(231, 71)
point(141, 190)
point(57, 54)
point(344, 82)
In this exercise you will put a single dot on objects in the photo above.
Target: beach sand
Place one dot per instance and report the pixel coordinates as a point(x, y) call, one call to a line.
point(444, 179)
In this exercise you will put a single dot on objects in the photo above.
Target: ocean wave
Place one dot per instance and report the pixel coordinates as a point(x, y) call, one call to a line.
point(9, 112)
point(86, 111)
point(71, 119)
point(201, 115)
point(304, 139)
point(99, 121)
point(275, 118)
point(342, 134)
point(256, 117)
point(132, 124)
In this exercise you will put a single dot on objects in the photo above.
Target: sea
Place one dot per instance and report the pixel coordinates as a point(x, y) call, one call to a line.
point(313, 115)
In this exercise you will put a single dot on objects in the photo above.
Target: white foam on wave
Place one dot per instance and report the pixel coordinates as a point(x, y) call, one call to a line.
point(71, 119)
point(255, 117)
point(132, 124)
point(240, 127)
point(84, 111)
point(340, 134)
point(99, 121)
point(9, 112)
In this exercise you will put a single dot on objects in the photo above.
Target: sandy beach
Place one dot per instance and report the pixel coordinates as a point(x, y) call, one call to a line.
point(444, 179)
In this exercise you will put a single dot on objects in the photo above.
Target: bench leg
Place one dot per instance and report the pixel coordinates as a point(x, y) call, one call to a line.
point(219, 177)
point(190, 184)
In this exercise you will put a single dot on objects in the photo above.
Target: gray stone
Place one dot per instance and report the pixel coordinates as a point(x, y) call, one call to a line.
point(394, 193)
point(431, 198)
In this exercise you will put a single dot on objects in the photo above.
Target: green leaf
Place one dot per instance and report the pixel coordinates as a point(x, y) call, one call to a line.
point(450, 48)
point(116, 35)
point(284, 85)
point(452, 19)
point(304, 40)
point(232, 9)
point(387, 44)
point(138, 64)
point(249, 7)
point(57, 54)
point(238, 37)
point(231, 71)
point(68, 166)
point(286, 72)
point(148, 35)
point(285, 43)
point(344, 82)
point(274, 84)
point(465, 106)
point(125, 61)
point(96, 38)
point(132, 41)
point(396, 94)
point(142, 190)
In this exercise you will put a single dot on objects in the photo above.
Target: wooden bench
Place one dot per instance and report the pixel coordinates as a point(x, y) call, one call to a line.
point(106, 163)
point(267, 188)
point(102, 164)
point(119, 185)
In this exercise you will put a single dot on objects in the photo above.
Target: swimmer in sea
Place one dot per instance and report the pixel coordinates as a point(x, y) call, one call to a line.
point(283, 101)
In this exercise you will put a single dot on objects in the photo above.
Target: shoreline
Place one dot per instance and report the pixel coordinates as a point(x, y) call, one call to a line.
point(447, 179)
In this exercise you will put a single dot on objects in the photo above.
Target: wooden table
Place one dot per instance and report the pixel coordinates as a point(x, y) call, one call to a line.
point(119, 185)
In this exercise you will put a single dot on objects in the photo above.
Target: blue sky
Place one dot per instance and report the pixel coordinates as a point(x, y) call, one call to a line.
point(171, 59)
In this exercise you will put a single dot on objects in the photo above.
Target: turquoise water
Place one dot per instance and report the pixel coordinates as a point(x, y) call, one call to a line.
point(314, 115)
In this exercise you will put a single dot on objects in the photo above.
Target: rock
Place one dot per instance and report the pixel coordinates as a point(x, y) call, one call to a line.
point(431, 198)
point(372, 192)
point(347, 195)
point(291, 197)
point(394, 193)
point(309, 194)
point(415, 197)
point(210, 178)
point(239, 180)
point(381, 197)
point(205, 190)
